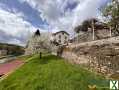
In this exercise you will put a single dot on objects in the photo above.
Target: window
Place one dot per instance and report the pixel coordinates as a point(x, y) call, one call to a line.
point(65, 38)
point(59, 41)
point(65, 41)
point(59, 36)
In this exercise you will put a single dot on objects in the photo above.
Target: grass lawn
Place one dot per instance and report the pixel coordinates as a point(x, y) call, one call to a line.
point(51, 73)
point(24, 58)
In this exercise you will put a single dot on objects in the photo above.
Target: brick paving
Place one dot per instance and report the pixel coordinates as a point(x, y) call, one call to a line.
point(10, 66)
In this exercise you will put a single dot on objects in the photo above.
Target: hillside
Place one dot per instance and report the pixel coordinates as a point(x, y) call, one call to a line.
point(12, 49)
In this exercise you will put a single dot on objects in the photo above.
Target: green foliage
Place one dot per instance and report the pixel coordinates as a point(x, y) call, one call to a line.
point(111, 12)
point(85, 25)
point(51, 73)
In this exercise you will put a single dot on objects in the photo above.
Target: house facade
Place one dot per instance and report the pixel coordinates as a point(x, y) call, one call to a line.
point(61, 37)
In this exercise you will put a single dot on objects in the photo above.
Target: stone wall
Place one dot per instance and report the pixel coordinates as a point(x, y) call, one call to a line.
point(88, 36)
point(101, 55)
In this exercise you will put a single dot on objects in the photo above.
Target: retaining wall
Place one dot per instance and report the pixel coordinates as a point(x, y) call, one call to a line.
point(101, 55)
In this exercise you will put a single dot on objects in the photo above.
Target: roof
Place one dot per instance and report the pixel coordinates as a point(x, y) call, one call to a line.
point(60, 32)
point(37, 32)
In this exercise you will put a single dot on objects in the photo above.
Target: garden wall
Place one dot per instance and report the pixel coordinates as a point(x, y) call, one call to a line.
point(101, 55)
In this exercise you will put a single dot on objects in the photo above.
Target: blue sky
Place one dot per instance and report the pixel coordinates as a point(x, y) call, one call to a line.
point(30, 14)
point(20, 18)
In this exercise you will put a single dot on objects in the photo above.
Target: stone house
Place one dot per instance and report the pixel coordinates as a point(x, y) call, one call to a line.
point(61, 37)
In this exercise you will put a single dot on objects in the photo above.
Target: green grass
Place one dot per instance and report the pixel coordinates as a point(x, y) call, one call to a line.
point(24, 58)
point(51, 73)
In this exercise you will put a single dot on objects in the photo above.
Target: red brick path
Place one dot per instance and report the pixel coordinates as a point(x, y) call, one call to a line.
point(10, 66)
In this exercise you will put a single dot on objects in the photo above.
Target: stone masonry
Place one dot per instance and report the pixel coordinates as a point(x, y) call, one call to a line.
point(101, 55)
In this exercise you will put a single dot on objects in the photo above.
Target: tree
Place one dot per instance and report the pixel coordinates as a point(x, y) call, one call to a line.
point(85, 25)
point(89, 23)
point(111, 12)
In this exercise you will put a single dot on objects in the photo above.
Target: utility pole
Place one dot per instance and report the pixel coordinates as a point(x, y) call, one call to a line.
point(110, 31)
point(40, 55)
point(93, 29)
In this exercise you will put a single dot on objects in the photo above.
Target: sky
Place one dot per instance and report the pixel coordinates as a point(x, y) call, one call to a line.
point(20, 18)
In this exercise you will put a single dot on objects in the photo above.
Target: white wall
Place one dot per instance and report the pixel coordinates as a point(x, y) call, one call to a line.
point(63, 40)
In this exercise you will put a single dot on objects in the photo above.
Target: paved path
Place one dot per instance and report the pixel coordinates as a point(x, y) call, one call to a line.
point(7, 59)
point(9, 67)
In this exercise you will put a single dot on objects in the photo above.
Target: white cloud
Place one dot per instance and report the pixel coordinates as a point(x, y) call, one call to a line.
point(53, 11)
point(14, 27)
point(86, 10)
